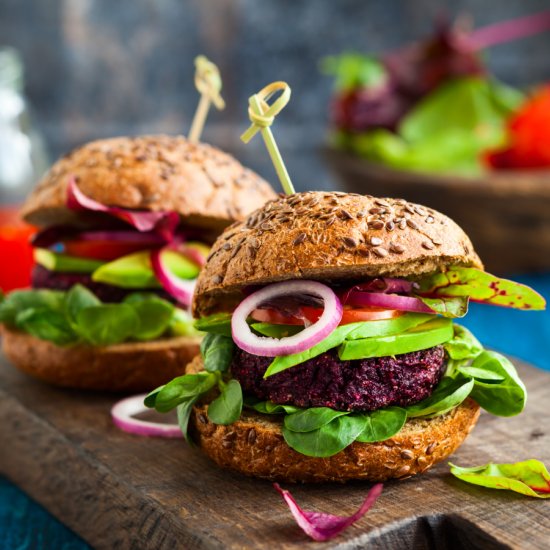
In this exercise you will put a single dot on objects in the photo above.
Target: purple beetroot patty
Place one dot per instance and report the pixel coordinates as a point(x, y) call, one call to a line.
point(360, 385)
point(44, 278)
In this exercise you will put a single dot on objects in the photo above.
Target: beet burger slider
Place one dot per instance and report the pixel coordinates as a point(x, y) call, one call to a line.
point(125, 227)
point(331, 350)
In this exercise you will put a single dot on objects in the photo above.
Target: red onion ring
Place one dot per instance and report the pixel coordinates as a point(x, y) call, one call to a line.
point(181, 289)
point(307, 338)
point(145, 238)
point(164, 223)
point(388, 301)
point(123, 414)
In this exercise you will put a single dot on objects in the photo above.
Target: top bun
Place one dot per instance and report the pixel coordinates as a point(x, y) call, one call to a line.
point(205, 185)
point(329, 237)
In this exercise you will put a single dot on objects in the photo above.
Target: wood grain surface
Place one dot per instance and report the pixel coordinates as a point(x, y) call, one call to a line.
point(123, 491)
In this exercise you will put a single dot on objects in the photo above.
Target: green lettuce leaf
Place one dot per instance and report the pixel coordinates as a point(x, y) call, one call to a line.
point(308, 420)
point(268, 407)
point(529, 477)
point(219, 323)
point(46, 324)
point(505, 398)
point(463, 345)
point(329, 439)
point(449, 393)
point(179, 390)
point(382, 424)
point(217, 352)
point(107, 324)
point(227, 407)
point(481, 287)
point(354, 70)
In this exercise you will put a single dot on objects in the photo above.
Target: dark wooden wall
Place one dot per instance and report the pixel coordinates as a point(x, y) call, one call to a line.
point(102, 67)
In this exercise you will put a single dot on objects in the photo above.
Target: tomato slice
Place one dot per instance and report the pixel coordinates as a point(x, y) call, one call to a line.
point(101, 250)
point(312, 314)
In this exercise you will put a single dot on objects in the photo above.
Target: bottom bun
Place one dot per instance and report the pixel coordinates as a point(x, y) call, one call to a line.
point(128, 367)
point(254, 445)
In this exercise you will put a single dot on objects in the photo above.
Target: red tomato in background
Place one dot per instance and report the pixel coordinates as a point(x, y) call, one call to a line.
point(312, 314)
point(16, 258)
point(101, 250)
point(528, 136)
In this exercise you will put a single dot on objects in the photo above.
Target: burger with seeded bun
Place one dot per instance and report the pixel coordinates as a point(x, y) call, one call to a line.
point(331, 351)
point(125, 225)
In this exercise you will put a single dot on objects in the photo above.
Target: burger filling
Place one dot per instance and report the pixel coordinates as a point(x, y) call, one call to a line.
point(122, 276)
point(340, 364)
point(356, 386)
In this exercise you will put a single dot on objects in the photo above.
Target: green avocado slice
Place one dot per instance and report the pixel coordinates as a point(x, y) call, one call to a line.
point(424, 336)
point(135, 271)
point(63, 262)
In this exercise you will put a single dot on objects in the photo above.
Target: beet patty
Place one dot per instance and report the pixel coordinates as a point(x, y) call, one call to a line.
point(359, 385)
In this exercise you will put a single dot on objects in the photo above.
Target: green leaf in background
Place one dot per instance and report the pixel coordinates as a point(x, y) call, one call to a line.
point(382, 424)
point(46, 324)
point(107, 324)
point(18, 301)
point(77, 299)
point(446, 131)
point(227, 407)
point(448, 307)
point(505, 398)
point(329, 439)
point(180, 389)
point(529, 477)
point(474, 105)
point(463, 345)
point(481, 287)
point(182, 324)
point(449, 393)
point(219, 323)
point(307, 420)
point(354, 70)
point(154, 318)
point(217, 352)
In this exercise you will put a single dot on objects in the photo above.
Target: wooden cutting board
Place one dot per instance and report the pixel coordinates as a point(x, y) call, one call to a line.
point(122, 491)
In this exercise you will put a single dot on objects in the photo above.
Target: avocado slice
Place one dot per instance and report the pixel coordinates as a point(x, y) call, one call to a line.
point(424, 336)
point(135, 271)
point(63, 262)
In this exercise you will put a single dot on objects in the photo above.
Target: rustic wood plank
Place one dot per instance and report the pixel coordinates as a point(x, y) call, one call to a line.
point(117, 490)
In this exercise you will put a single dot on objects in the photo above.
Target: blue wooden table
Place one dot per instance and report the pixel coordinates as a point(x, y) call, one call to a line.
point(26, 525)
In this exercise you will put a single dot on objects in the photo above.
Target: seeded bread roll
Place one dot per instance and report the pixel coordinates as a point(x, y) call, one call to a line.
point(128, 367)
point(208, 187)
point(254, 445)
point(329, 237)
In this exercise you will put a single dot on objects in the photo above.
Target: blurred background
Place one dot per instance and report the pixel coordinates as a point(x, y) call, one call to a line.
point(100, 68)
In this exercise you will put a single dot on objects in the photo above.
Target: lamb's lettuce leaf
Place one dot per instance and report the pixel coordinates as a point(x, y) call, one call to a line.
point(78, 316)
